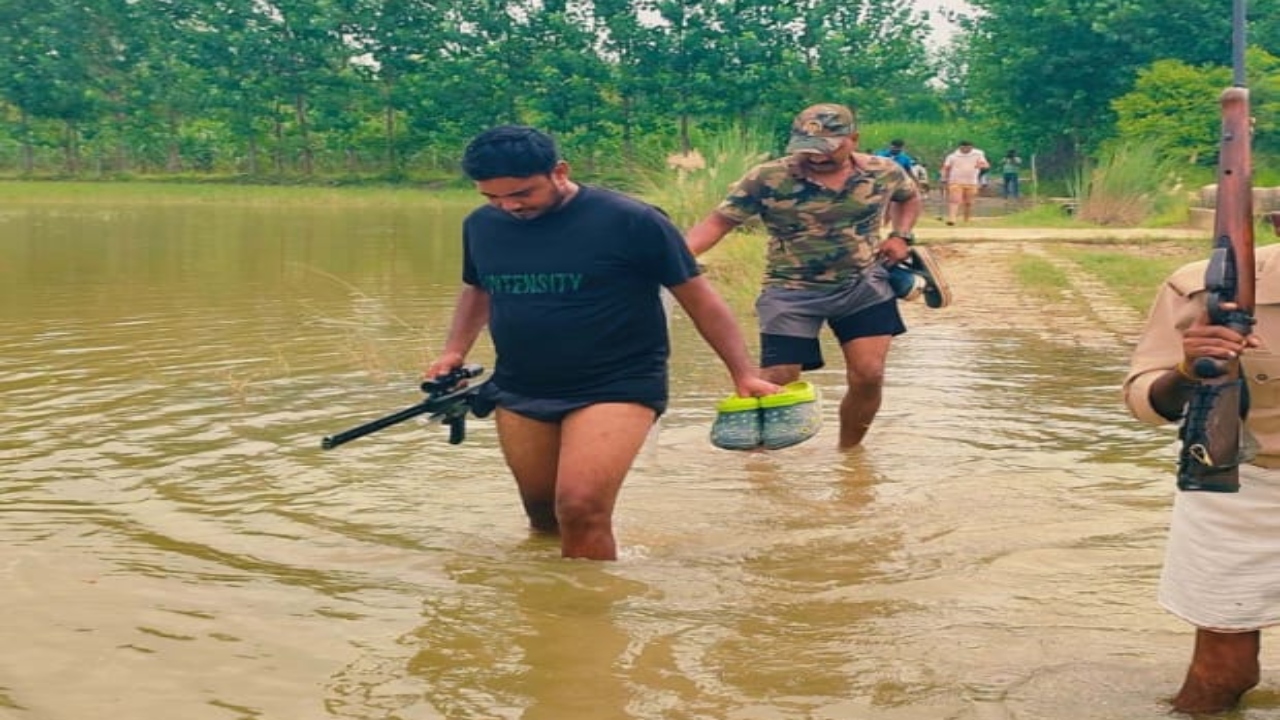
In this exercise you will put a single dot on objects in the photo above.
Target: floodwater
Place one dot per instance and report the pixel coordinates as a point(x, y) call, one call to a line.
point(174, 544)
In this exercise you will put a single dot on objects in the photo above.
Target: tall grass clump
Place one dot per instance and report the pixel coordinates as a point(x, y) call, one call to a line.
point(1128, 185)
point(688, 186)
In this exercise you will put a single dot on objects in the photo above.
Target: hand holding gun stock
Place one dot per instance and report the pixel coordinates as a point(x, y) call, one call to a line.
point(1213, 430)
point(449, 399)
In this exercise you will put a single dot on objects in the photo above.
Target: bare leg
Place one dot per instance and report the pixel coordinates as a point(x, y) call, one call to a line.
point(953, 203)
point(598, 444)
point(781, 374)
point(864, 361)
point(1224, 666)
point(532, 451)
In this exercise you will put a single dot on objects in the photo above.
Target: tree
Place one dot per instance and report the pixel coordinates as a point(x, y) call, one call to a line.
point(1045, 72)
point(48, 56)
point(1174, 107)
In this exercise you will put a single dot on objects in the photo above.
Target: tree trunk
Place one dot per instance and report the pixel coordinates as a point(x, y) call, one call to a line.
point(389, 129)
point(300, 112)
point(173, 163)
point(252, 152)
point(278, 130)
point(28, 152)
point(71, 148)
point(628, 140)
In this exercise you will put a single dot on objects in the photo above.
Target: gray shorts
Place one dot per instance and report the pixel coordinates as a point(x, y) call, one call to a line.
point(791, 320)
point(802, 313)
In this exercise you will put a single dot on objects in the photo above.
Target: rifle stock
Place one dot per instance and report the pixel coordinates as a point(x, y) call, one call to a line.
point(1213, 432)
point(449, 399)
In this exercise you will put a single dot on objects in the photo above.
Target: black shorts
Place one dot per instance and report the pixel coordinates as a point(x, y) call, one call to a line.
point(554, 409)
point(880, 319)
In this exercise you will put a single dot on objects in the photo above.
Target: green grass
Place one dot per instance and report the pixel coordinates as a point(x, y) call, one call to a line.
point(161, 193)
point(1043, 215)
point(736, 267)
point(1132, 274)
point(1041, 277)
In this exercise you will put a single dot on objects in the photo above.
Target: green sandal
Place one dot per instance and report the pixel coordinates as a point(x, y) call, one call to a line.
point(790, 417)
point(737, 424)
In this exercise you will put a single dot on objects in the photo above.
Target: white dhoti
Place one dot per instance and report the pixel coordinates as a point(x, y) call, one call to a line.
point(1222, 563)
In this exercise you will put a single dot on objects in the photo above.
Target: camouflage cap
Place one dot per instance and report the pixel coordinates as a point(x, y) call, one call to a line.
point(820, 128)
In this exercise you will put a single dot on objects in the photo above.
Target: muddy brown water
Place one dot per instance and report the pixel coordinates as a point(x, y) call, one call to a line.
point(175, 544)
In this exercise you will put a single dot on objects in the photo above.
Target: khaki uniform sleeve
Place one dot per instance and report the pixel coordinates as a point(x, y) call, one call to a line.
point(1159, 348)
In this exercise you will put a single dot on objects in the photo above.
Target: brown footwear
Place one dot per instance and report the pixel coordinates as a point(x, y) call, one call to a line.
point(937, 294)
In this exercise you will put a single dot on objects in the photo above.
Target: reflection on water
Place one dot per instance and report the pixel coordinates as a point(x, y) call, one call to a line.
point(175, 544)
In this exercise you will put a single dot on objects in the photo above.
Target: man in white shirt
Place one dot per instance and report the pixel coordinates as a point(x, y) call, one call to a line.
point(961, 173)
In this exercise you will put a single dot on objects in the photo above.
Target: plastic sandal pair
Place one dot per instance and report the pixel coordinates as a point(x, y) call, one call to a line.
point(771, 422)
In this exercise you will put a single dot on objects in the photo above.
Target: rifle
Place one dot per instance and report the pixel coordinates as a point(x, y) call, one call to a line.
point(449, 399)
point(1213, 433)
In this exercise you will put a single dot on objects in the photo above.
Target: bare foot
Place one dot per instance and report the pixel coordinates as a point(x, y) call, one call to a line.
point(1198, 698)
point(1223, 668)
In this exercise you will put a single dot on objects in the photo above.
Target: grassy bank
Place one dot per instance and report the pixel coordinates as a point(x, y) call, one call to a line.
point(1133, 270)
point(170, 193)
point(1134, 274)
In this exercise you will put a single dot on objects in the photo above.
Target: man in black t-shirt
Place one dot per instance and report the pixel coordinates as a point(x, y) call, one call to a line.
point(568, 279)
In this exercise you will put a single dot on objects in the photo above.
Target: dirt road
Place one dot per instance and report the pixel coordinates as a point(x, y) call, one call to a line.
point(979, 264)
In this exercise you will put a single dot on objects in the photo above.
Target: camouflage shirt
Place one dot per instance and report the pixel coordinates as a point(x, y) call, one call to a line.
point(819, 238)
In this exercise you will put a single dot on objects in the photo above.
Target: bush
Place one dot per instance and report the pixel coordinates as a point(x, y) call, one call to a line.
point(1130, 184)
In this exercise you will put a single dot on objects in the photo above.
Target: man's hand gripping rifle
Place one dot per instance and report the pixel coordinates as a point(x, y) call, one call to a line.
point(1213, 430)
point(449, 399)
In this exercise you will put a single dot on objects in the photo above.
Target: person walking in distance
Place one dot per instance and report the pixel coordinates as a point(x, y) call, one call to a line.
point(1010, 166)
point(897, 151)
point(961, 173)
point(822, 207)
point(568, 277)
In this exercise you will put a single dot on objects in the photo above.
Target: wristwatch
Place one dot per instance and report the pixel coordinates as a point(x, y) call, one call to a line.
point(909, 237)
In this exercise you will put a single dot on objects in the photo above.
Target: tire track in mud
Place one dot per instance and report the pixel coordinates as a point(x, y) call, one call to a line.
point(986, 294)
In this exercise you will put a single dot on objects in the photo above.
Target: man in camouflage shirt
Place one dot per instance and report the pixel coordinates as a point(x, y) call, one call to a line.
point(823, 206)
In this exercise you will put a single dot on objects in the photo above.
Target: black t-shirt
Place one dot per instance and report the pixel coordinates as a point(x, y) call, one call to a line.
point(575, 305)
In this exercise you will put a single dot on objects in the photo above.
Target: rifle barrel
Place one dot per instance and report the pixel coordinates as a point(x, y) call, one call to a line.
point(373, 426)
point(1238, 42)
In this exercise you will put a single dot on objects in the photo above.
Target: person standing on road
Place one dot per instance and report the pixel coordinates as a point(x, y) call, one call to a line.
point(897, 152)
point(1222, 556)
point(1010, 166)
point(962, 172)
point(822, 207)
point(568, 277)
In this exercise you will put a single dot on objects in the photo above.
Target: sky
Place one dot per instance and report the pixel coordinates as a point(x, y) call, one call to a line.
point(942, 30)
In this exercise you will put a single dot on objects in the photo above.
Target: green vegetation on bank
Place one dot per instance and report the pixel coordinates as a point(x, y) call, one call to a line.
point(1041, 277)
point(171, 193)
point(376, 91)
point(1135, 272)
